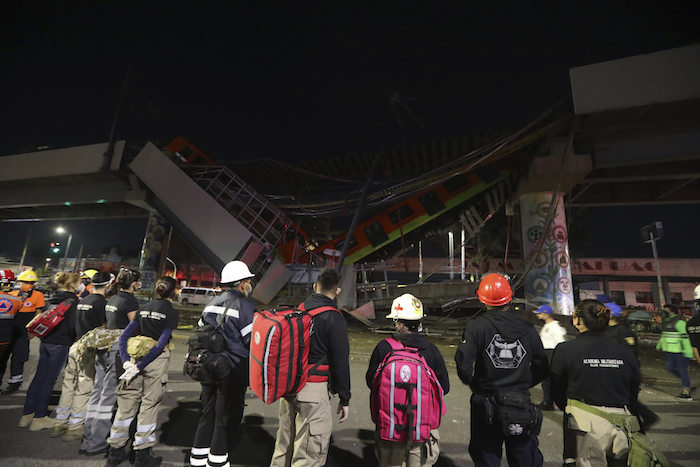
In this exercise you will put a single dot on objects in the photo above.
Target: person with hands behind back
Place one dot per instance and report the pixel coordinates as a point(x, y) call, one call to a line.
point(143, 347)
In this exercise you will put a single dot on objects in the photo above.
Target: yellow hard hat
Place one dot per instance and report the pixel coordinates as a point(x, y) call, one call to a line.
point(89, 273)
point(27, 276)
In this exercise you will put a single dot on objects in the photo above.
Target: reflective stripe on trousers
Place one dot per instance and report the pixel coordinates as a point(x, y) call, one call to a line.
point(140, 398)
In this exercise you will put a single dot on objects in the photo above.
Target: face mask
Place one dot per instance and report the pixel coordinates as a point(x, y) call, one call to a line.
point(25, 287)
point(81, 288)
point(247, 290)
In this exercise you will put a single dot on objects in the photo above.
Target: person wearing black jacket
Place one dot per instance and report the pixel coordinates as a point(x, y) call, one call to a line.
point(79, 374)
point(407, 313)
point(53, 352)
point(500, 356)
point(223, 403)
point(590, 374)
point(305, 418)
point(144, 378)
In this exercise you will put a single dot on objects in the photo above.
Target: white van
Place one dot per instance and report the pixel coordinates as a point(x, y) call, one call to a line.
point(197, 295)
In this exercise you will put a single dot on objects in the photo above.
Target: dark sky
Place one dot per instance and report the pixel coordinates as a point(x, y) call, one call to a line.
point(290, 80)
point(244, 80)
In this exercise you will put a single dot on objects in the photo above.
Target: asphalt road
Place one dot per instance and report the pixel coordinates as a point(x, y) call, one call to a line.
point(676, 433)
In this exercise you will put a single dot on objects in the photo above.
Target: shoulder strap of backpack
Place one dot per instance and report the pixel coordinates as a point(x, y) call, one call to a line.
point(67, 303)
point(317, 311)
point(222, 317)
point(395, 343)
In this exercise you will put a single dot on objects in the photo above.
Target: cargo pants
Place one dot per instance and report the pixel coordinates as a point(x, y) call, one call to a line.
point(78, 380)
point(592, 439)
point(305, 423)
point(394, 454)
point(18, 348)
point(108, 367)
point(140, 398)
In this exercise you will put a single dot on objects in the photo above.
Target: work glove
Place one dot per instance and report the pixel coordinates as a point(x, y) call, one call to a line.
point(129, 372)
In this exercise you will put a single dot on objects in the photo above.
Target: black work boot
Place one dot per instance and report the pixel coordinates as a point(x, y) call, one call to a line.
point(12, 388)
point(144, 458)
point(116, 456)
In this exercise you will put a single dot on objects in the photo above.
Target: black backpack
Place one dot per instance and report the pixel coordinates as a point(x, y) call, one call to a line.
point(204, 361)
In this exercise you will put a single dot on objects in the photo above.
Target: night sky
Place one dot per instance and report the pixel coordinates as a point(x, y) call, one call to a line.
point(293, 80)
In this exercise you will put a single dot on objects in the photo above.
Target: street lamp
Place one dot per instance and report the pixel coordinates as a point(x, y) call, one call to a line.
point(61, 230)
point(174, 267)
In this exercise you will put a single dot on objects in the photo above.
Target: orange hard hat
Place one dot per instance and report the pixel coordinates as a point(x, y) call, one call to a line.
point(494, 290)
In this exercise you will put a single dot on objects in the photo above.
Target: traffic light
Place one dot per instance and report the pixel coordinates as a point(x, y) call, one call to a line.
point(54, 247)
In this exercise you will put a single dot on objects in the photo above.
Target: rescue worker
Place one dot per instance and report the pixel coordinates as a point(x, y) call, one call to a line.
point(53, 352)
point(593, 379)
point(222, 404)
point(86, 279)
point(618, 328)
point(407, 313)
point(144, 377)
point(674, 341)
point(551, 334)
point(306, 418)
point(32, 303)
point(9, 306)
point(120, 309)
point(500, 356)
point(79, 374)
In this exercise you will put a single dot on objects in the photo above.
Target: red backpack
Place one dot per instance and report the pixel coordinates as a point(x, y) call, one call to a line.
point(42, 324)
point(406, 400)
point(279, 352)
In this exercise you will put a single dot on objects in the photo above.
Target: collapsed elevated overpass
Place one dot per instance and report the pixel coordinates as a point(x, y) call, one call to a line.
point(639, 151)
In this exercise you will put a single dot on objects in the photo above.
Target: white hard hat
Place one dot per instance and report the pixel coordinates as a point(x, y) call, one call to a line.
point(235, 271)
point(696, 292)
point(406, 307)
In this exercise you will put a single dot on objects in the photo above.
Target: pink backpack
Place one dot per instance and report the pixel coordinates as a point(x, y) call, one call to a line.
point(407, 399)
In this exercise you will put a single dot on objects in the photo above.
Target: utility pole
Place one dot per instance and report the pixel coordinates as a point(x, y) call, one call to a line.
point(650, 234)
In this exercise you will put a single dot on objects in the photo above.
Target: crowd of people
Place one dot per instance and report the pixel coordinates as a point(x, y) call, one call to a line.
point(116, 354)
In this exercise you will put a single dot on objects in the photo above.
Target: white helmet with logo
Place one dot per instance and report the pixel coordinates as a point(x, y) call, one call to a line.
point(406, 307)
point(696, 292)
point(235, 271)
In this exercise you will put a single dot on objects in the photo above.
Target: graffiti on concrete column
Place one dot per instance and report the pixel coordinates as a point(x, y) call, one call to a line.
point(152, 250)
point(549, 279)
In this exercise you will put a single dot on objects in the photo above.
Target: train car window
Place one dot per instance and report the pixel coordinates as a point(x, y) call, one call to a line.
point(455, 183)
point(375, 234)
point(488, 174)
point(431, 203)
point(403, 212)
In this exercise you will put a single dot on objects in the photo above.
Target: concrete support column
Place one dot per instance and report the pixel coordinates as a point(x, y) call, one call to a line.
point(549, 279)
point(152, 250)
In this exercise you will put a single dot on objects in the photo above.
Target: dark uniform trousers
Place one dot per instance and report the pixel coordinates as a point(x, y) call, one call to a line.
point(486, 445)
point(18, 348)
point(222, 412)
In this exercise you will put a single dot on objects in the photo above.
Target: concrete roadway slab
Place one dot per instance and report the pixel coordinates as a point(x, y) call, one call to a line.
point(352, 441)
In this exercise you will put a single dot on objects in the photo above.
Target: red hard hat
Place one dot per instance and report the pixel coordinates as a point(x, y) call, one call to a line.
point(494, 290)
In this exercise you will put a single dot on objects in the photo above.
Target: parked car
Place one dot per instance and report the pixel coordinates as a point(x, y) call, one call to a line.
point(197, 295)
